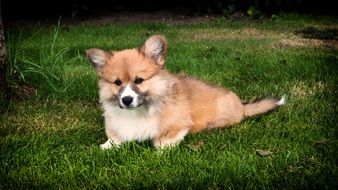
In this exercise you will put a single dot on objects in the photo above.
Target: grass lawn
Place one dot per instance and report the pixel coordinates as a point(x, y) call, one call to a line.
point(50, 135)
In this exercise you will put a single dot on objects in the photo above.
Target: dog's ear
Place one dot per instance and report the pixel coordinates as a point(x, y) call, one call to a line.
point(97, 57)
point(155, 48)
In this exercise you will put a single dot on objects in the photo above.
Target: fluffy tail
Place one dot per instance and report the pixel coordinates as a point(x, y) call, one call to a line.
point(262, 106)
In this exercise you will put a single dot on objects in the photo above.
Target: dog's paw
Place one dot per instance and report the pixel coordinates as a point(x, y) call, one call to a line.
point(109, 144)
point(106, 145)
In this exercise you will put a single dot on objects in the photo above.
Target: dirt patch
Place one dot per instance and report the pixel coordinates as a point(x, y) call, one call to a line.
point(125, 17)
point(168, 17)
point(23, 92)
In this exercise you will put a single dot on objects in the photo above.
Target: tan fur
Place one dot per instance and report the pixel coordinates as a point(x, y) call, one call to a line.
point(259, 107)
point(173, 105)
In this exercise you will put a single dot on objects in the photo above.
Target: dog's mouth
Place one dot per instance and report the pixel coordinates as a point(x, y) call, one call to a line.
point(130, 107)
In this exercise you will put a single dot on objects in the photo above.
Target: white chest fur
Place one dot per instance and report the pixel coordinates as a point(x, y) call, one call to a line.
point(137, 124)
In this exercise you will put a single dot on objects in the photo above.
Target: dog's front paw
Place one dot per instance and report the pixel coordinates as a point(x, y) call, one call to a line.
point(106, 145)
point(109, 144)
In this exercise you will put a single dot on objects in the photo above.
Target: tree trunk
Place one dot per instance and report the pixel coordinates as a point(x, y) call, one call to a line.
point(3, 62)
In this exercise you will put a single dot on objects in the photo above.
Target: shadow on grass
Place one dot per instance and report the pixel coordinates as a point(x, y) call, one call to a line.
point(318, 33)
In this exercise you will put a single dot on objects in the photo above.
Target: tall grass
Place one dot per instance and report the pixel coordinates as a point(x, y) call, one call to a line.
point(47, 67)
point(25, 68)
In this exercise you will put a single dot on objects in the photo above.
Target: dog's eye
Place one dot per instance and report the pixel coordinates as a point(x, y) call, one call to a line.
point(138, 80)
point(118, 82)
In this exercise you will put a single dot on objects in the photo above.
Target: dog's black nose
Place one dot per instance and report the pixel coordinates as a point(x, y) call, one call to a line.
point(127, 100)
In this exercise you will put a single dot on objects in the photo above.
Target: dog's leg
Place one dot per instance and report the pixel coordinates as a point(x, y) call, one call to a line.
point(170, 139)
point(112, 141)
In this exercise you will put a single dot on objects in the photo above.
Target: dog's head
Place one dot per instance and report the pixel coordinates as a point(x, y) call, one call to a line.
point(133, 77)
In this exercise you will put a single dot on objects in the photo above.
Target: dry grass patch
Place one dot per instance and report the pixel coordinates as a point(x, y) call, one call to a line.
point(301, 90)
point(282, 39)
point(302, 42)
point(34, 118)
point(225, 33)
point(312, 36)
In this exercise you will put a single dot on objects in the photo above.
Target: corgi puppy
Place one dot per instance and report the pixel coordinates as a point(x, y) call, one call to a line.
point(142, 101)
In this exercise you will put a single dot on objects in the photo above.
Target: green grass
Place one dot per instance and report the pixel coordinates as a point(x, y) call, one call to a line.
point(51, 140)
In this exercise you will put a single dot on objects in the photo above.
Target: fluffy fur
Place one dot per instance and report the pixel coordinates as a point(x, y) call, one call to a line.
point(141, 100)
